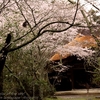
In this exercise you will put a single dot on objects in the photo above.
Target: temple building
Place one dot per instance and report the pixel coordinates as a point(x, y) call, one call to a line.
point(67, 69)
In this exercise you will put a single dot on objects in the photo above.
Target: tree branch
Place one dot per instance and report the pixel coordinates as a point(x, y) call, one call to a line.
point(32, 12)
point(3, 5)
point(93, 5)
point(24, 16)
point(20, 83)
point(44, 30)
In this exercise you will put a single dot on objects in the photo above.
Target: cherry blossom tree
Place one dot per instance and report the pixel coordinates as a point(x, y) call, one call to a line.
point(49, 23)
point(23, 21)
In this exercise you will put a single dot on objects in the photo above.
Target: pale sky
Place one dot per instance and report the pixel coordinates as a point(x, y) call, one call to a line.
point(89, 6)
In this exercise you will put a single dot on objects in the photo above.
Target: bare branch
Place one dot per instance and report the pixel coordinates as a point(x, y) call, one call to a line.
point(31, 12)
point(75, 12)
point(93, 5)
point(3, 5)
point(23, 15)
point(44, 29)
point(20, 83)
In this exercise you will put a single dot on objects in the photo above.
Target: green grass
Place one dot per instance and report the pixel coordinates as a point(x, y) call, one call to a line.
point(55, 99)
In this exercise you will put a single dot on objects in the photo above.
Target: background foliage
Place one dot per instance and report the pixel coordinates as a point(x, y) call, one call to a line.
point(25, 73)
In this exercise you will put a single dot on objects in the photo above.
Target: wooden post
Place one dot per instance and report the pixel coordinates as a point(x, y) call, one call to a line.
point(72, 79)
point(87, 86)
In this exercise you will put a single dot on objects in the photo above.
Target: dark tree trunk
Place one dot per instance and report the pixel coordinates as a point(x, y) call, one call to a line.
point(3, 55)
point(1, 85)
point(2, 62)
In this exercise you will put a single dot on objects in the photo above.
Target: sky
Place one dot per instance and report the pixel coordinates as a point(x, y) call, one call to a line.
point(87, 6)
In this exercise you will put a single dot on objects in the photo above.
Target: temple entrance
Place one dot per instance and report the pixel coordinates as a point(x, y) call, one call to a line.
point(76, 77)
point(80, 79)
point(64, 85)
point(60, 82)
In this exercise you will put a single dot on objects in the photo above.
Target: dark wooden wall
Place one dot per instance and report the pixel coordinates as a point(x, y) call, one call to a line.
point(76, 77)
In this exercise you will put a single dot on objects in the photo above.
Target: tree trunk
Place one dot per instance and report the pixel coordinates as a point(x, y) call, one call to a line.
point(3, 55)
point(2, 63)
point(1, 86)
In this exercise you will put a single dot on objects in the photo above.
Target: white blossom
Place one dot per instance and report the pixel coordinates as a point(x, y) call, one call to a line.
point(75, 50)
point(12, 20)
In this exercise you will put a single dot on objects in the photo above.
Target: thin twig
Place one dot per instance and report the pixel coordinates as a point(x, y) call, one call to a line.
point(93, 5)
point(20, 83)
point(24, 16)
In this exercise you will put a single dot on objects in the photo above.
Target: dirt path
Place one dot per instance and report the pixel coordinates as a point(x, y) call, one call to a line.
point(80, 93)
point(90, 97)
